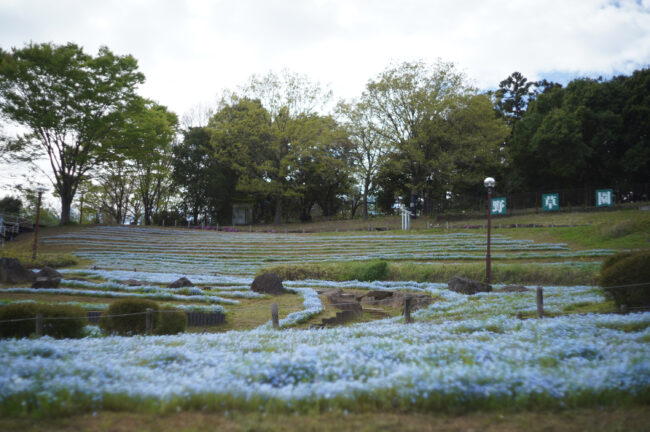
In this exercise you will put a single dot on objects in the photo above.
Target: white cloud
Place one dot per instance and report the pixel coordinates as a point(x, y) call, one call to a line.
point(191, 50)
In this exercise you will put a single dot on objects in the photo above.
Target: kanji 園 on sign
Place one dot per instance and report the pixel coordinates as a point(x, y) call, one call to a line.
point(498, 206)
point(604, 198)
point(550, 202)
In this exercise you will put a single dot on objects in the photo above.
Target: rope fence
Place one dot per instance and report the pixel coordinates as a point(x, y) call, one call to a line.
point(408, 305)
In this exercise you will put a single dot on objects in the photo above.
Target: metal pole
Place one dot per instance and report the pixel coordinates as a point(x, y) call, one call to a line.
point(488, 262)
point(38, 218)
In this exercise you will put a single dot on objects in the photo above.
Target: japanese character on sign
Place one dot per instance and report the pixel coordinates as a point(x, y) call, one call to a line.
point(550, 202)
point(498, 206)
point(604, 198)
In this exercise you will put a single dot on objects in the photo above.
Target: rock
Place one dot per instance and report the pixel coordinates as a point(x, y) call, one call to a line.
point(133, 282)
point(467, 286)
point(514, 289)
point(180, 283)
point(343, 301)
point(418, 300)
point(268, 283)
point(13, 272)
point(379, 294)
point(47, 278)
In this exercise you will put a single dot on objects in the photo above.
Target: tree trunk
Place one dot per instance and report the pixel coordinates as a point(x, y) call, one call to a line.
point(81, 210)
point(66, 203)
point(366, 186)
point(277, 220)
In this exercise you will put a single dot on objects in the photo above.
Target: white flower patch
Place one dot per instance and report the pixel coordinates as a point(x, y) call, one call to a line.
point(160, 278)
point(153, 295)
point(466, 363)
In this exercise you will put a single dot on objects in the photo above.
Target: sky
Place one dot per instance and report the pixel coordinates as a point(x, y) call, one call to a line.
point(191, 50)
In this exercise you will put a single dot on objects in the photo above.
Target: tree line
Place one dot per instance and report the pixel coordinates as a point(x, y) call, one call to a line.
point(420, 134)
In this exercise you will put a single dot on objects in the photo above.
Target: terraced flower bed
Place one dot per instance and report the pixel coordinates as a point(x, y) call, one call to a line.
point(485, 351)
point(199, 252)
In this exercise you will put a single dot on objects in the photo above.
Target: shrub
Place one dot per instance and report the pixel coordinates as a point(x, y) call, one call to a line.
point(371, 271)
point(133, 319)
point(70, 327)
point(628, 268)
point(614, 259)
point(172, 321)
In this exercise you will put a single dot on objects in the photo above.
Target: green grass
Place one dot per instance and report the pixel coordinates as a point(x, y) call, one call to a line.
point(617, 229)
point(631, 418)
point(50, 259)
point(519, 273)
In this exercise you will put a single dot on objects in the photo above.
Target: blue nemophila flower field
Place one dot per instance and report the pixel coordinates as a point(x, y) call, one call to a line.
point(237, 254)
point(498, 361)
point(462, 352)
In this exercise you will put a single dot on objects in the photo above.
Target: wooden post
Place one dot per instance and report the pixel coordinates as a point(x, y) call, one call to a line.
point(623, 309)
point(274, 316)
point(149, 321)
point(540, 302)
point(39, 325)
point(250, 228)
point(407, 310)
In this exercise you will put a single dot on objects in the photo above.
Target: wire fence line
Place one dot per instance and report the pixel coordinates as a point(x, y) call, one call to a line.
point(383, 302)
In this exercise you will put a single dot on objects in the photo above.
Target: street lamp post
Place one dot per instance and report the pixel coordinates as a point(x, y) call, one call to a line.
point(40, 190)
point(489, 184)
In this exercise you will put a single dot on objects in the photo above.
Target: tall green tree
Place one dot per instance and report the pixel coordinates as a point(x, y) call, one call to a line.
point(207, 184)
point(145, 142)
point(591, 133)
point(288, 98)
point(321, 165)
point(437, 125)
point(68, 102)
point(513, 96)
point(368, 149)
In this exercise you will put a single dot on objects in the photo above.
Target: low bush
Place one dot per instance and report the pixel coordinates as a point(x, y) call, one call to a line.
point(370, 271)
point(59, 321)
point(629, 268)
point(172, 321)
point(128, 316)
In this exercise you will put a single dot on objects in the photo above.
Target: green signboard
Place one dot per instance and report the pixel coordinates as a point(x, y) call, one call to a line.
point(498, 206)
point(550, 202)
point(604, 198)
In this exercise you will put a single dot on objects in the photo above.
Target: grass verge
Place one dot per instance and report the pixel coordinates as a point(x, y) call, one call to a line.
point(633, 418)
point(50, 259)
point(518, 273)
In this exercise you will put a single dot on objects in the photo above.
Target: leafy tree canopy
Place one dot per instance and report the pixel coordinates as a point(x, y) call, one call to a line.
point(68, 102)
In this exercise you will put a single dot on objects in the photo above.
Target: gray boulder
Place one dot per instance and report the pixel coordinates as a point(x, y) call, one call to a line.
point(47, 278)
point(13, 272)
point(180, 283)
point(467, 286)
point(268, 283)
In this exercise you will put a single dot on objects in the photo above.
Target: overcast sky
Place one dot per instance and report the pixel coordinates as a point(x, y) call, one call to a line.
point(190, 50)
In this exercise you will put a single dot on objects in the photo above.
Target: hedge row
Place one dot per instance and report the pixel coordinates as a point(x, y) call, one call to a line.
point(128, 317)
point(59, 321)
point(626, 278)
